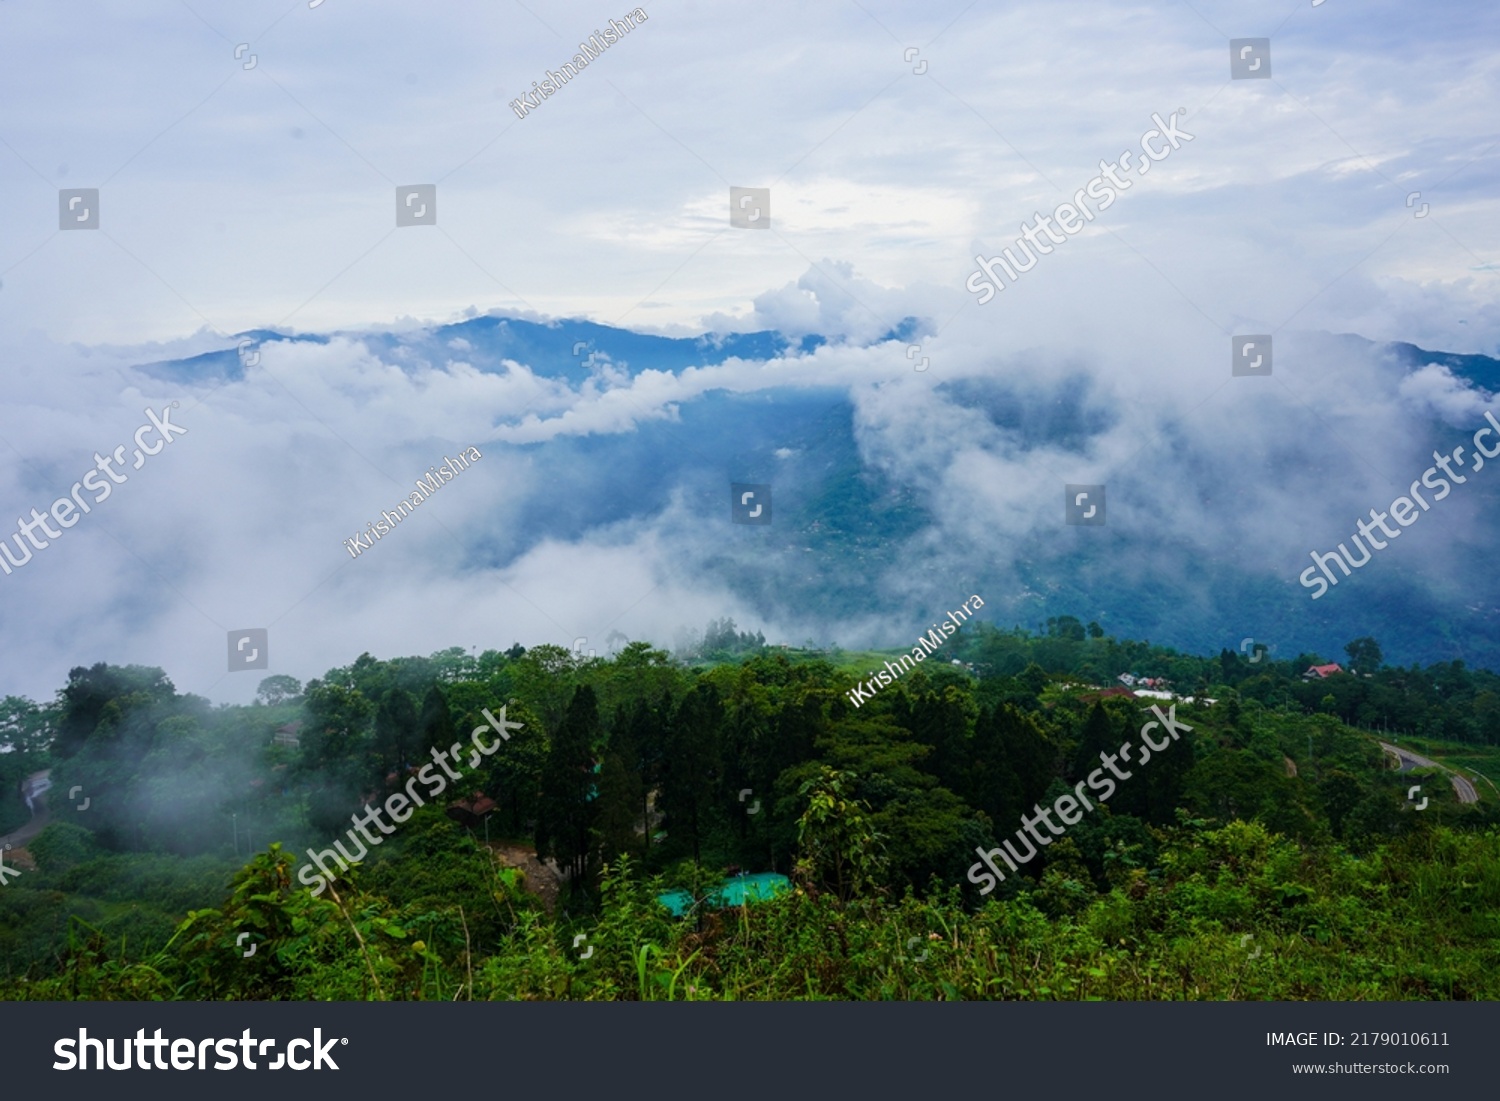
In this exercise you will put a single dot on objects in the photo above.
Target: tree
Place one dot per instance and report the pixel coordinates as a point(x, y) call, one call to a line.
point(939, 721)
point(794, 732)
point(277, 689)
point(1065, 626)
point(89, 691)
point(1364, 654)
point(512, 776)
point(335, 748)
point(1165, 778)
point(434, 724)
point(25, 728)
point(690, 766)
point(453, 664)
point(395, 732)
point(620, 798)
point(839, 847)
point(568, 810)
point(1230, 783)
point(545, 677)
point(1012, 765)
point(637, 673)
point(1340, 793)
point(1099, 735)
point(1033, 678)
point(648, 728)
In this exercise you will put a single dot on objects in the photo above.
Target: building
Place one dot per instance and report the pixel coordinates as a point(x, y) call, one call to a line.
point(1322, 672)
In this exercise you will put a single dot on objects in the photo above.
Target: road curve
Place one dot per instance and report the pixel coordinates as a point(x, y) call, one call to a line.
point(34, 791)
point(1409, 760)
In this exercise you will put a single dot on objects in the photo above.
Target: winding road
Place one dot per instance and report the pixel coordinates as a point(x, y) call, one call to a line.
point(1409, 760)
point(34, 791)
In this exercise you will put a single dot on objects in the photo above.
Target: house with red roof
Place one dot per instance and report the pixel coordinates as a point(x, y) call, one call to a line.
point(1322, 672)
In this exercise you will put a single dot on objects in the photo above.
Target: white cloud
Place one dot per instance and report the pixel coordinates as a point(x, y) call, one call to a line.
point(235, 199)
point(1433, 389)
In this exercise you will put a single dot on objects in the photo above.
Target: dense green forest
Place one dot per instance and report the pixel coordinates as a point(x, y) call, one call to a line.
point(1272, 851)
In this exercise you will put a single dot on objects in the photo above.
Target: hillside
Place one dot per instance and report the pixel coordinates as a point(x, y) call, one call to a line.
point(1196, 553)
point(1267, 849)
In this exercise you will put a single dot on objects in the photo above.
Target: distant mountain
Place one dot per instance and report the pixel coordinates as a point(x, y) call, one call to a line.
point(869, 549)
point(557, 350)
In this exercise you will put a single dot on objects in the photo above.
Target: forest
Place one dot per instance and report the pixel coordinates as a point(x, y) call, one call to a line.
point(1272, 852)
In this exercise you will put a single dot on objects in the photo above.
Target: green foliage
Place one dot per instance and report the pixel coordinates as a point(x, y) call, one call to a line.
point(721, 642)
point(61, 846)
point(1274, 823)
point(568, 786)
point(840, 848)
point(278, 689)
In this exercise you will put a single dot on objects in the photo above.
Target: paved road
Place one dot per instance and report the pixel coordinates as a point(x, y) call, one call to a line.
point(1410, 760)
point(34, 791)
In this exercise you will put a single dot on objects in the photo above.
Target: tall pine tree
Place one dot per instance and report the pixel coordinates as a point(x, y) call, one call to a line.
point(625, 782)
point(395, 732)
point(690, 768)
point(434, 724)
point(1013, 762)
point(568, 802)
point(937, 720)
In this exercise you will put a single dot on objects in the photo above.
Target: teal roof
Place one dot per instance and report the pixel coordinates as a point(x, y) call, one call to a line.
point(732, 892)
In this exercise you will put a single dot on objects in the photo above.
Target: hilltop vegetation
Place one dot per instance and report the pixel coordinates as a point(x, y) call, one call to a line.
point(1271, 852)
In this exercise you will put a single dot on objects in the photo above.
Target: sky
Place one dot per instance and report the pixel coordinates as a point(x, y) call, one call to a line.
point(248, 157)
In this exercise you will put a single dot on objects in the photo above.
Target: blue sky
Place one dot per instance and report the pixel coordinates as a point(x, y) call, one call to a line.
point(234, 198)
